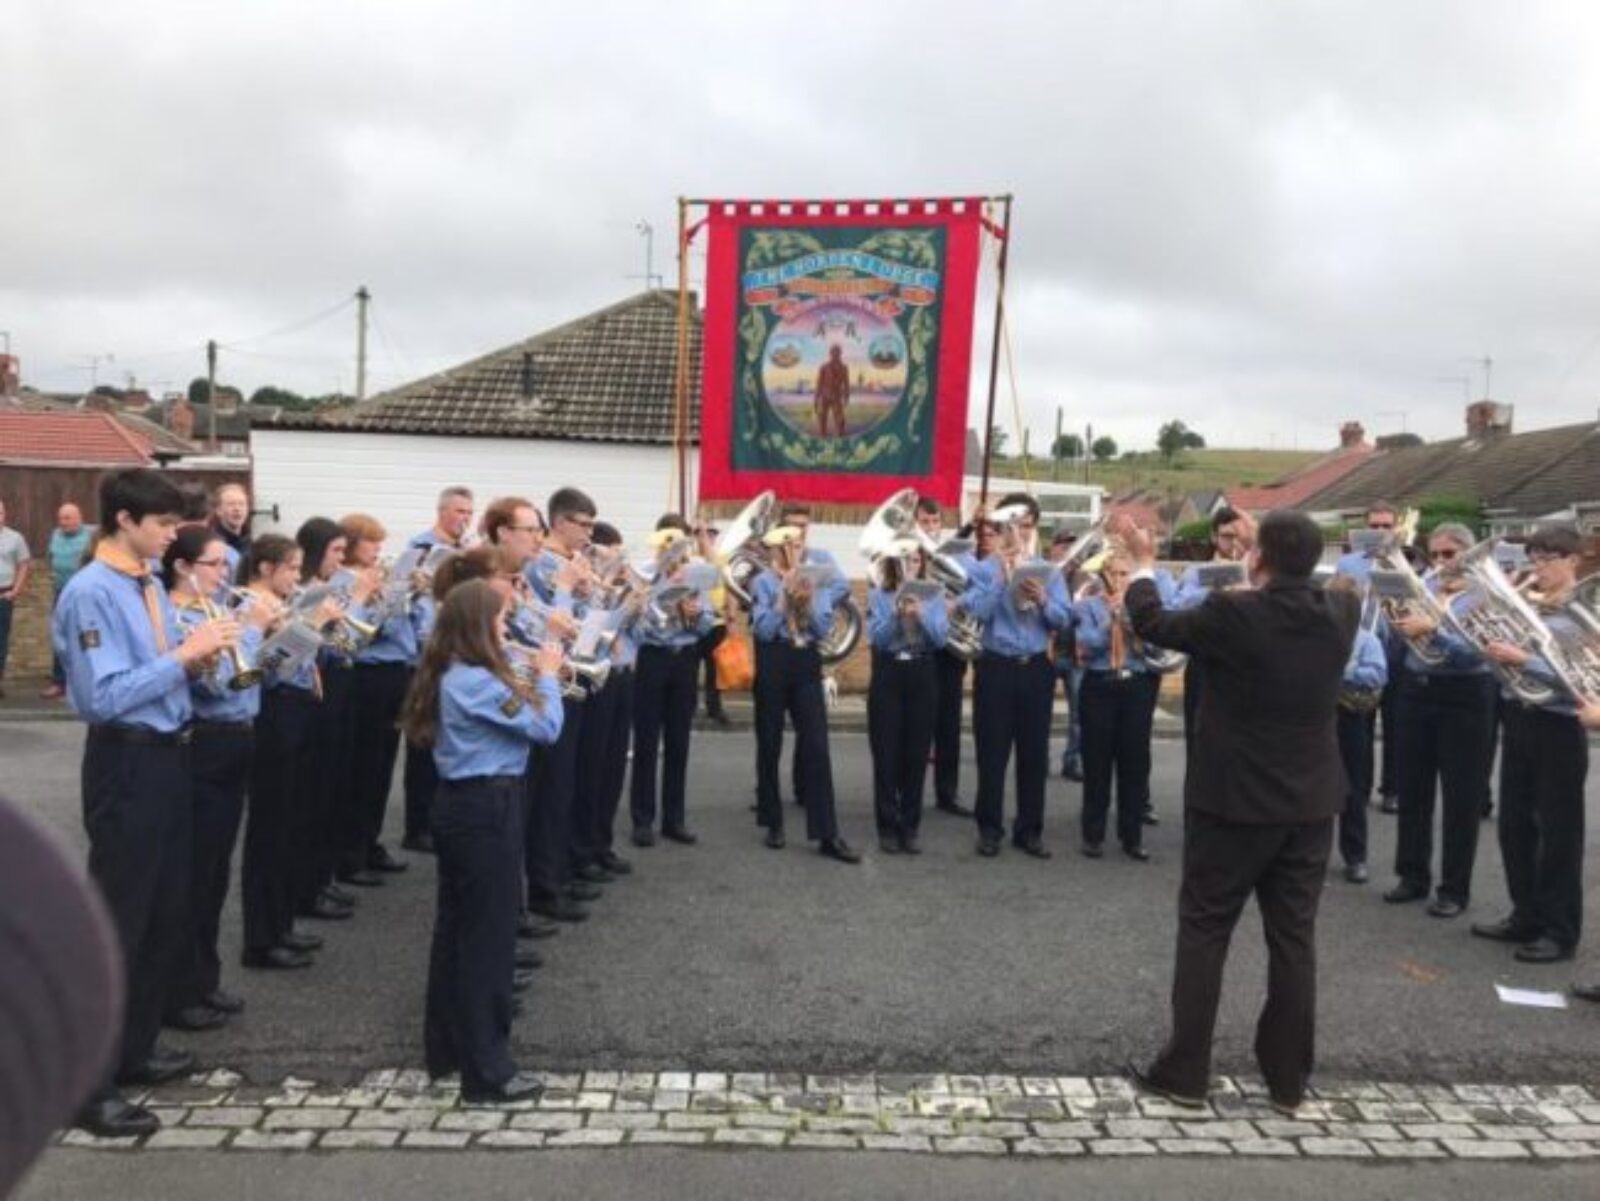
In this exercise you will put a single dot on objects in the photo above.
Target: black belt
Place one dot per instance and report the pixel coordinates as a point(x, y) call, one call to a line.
point(1019, 660)
point(1116, 677)
point(223, 727)
point(488, 781)
point(140, 736)
point(667, 650)
point(906, 656)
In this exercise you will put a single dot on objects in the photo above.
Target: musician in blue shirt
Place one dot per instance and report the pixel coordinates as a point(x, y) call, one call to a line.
point(1365, 675)
point(283, 779)
point(1014, 680)
point(1118, 701)
point(194, 570)
point(382, 672)
point(907, 628)
point(792, 612)
point(952, 674)
point(480, 719)
point(1446, 723)
point(561, 577)
point(1357, 565)
point(1544, 761)
point(664, 689)
point(127, 669)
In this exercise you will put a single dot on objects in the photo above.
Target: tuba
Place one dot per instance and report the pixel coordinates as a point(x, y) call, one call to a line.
point(895, 520)
point(1490, 610)
point(739, 546)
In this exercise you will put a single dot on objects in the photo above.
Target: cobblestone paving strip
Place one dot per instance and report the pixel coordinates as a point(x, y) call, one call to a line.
point(930, 1114)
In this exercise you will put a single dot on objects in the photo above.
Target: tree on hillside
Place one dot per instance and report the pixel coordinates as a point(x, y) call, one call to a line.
point(1441, 507)
point(1398, 441)
point(1175, 438)
point(1067, 446)
point(997, 440)
point(283, 398)
point(1104, 449)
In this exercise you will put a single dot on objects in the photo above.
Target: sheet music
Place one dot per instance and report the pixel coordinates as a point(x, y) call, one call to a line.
point(596, 624)
point(290, 649)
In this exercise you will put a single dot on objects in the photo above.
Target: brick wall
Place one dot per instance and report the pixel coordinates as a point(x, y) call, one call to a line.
point(30, 626)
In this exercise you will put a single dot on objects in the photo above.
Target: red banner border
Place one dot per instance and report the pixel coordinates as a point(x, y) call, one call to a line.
point(961, 217)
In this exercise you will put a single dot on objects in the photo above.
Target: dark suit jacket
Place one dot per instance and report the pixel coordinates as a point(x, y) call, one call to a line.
point(1265, 747)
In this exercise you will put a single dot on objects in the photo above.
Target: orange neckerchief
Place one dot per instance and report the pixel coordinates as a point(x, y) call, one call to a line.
point(121, 562)
point(1119, 640)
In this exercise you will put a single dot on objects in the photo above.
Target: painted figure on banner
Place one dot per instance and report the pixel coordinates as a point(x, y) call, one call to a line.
point(833, 390)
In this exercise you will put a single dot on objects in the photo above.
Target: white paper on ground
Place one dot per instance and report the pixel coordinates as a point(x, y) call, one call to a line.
point(1529, 996)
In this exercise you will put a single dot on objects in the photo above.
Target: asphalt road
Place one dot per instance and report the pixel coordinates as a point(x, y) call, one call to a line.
point(730, 956)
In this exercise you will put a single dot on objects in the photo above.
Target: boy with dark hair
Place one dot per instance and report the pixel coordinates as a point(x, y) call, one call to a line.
point(127, 671)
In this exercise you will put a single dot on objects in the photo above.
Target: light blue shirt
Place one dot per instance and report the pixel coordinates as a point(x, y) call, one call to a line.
point(1368, 666)
point(114, 670)
point(540, 574)
point(66, 554)
point(1355, 565)
point(1006, 631)
point(649, 634)
point(486, 727)
point(398, 640)
point(769, 620)
point(1461, 658)
point(888, 633)
point(1093, 617)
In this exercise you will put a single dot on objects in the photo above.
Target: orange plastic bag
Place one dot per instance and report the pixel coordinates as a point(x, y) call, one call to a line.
point(736, 666)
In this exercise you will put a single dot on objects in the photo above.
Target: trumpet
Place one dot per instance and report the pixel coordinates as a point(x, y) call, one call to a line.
point(245, 674)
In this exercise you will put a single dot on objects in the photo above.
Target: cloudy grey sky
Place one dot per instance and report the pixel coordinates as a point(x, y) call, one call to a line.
point(1259, 217)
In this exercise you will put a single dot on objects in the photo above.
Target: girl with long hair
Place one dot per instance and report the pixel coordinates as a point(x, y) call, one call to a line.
point(479, 718)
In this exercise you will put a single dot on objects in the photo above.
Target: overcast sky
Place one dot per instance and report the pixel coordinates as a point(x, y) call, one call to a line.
point(1260, 218)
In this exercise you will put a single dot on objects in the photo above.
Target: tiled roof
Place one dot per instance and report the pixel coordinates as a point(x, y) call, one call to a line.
point(162, 440)
point(610, 376)
point(1498, 470)
point(93, 439)
point(1572, 478)
point(1292, 491)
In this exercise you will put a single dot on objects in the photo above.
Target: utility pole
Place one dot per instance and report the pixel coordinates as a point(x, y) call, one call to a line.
point(211, 394)
point(648, 232)
point(363, 299)
point(1487, 364)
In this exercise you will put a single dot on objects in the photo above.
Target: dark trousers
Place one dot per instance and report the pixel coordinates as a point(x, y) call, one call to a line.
point(1355, 752)
point(1446, 724)
point(322, 809)
point(593, 771)
point(6, 607)
point(547, 826)
point(1117, 717)
point(1223, 863)
point(379, 692)
point(705, 650)
point(614, 765)
point(1071, 678)
point(1011, 706)
point(902, 699)
point(1544, 761)
point(951, 673)
point(139, 817)
point(663, 715)
point(421, 778)
point(280, 787)
point(467, 1025)
point(789, 682)
point(221, 763)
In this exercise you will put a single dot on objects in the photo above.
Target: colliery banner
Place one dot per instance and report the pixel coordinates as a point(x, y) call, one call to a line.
point(838, 342)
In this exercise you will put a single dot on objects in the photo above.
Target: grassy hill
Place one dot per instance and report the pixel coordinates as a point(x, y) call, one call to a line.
point(1196, 470)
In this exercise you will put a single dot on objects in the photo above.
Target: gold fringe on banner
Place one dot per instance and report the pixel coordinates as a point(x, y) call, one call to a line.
point(822, 513)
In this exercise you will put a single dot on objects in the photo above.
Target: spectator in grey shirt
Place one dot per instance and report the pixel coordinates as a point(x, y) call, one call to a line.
point(13, 578)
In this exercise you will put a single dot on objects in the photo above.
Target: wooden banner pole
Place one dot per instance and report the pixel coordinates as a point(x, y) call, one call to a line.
point(994, 350)
point(680, 425)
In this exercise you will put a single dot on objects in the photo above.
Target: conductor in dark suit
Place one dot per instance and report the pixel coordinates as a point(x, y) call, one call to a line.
point(1262, 790)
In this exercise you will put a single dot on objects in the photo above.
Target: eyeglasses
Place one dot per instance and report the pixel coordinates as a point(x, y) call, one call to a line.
point(1443, 554)
point(1539, 557)
point(1380, 525)
point(217, 562)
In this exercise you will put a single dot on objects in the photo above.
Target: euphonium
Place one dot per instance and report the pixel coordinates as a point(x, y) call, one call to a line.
point(1492, 610)
point(896, 518)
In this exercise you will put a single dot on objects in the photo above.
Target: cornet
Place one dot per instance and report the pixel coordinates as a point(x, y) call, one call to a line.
point(244, 674)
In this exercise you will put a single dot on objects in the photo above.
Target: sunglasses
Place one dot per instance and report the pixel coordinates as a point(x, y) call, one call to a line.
point(1443, 554)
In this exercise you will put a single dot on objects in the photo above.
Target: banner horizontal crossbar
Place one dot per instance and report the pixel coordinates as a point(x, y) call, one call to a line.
point(906, 205)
